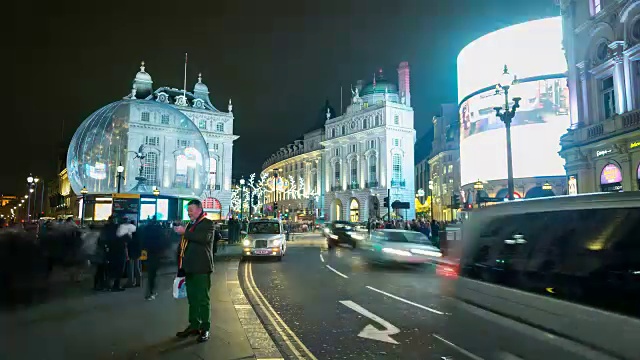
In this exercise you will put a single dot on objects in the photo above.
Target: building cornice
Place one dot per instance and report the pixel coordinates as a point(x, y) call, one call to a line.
point(296, 158)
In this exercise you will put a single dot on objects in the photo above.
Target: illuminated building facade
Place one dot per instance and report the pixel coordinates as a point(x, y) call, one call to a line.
point(162, 145)
point(359, 155)
point(444, 163)
point(537, 74)
point(602, 147)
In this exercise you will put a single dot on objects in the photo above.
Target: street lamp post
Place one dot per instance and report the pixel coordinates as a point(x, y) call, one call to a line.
point(241, 197)
point(156, 193)
point(275, 193)
point(35, 196)
point(420, 194)
point(120, 170)
point(478, 186)
point(84, 193)
point(506, 115)
point(30, 183)
point(431, 194)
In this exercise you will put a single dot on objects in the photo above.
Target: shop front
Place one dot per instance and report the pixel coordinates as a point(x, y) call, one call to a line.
point(611, 178)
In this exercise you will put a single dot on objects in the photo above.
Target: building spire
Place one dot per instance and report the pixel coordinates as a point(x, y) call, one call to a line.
point(230, 107)
point(142, 66)
point(200, 78)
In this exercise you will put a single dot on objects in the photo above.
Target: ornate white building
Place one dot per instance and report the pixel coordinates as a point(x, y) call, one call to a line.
point(602, 46)
point(215, 126)
point(360, 154)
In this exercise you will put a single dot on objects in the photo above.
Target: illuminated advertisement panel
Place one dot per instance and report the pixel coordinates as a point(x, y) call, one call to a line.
point(543, 116)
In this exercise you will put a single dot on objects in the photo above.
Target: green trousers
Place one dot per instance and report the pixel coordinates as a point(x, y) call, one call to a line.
point(198, 286)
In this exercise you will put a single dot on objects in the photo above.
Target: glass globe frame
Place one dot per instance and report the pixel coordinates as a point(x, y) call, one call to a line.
point(157, 146)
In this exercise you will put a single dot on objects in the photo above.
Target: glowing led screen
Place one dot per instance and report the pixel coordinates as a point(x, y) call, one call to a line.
point(543, 116)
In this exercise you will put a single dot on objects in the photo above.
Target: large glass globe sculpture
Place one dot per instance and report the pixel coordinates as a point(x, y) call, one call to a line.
point(158, 147)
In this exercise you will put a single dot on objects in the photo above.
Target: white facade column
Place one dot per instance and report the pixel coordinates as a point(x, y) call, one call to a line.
point(629, 70)
point(584, 87)
point(618, 76)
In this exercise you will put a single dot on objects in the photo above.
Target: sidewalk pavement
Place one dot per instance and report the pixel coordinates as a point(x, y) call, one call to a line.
point(125, 326)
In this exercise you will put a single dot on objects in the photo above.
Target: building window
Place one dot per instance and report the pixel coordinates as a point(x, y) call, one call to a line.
point(213, 167)
point(608, 98)
point(450, 168)
point(372, 168)
point(344, 130)
point(333, 132)
point(396, 142)
point(145, 116)
point(372, 144)
point(220, 127)
point(336, 174)
point(596, 6)
point(165, 119)
point(397, 167)
point(365, 123)
point(213, 147)
point(336, 152)
point(152, 140)
point(150, 169)
point(354, 171)
point(377, 120)
point(396, 119)
point(353, 148)
point(183, 143)
point(202, 124)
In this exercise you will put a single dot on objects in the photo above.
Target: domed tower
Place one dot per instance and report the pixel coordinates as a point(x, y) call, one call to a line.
point(380, 89)
point(201, 91)
point(142, 84)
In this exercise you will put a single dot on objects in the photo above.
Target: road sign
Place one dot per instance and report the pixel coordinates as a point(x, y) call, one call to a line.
point(400, 205)
point(370, 332)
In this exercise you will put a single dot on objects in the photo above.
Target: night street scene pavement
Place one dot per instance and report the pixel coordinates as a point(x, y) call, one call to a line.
point(311, 180)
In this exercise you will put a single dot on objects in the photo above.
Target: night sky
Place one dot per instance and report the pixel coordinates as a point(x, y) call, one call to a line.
point(278, 61)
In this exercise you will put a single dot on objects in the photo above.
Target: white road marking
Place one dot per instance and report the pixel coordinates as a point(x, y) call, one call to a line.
point(470, 355)
point(369, 331)
point(406, 301)
point(337, 272)
point(321, 258)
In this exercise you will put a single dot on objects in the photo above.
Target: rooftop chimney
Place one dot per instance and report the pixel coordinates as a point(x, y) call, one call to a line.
point(403, 83)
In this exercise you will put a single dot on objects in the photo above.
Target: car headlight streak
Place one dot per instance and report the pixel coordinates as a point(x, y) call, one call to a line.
point(427, 252)
point(396, 252)
point(246, 242)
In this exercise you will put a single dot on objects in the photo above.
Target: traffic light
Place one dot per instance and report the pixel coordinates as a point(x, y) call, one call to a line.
point(275, 206)
point(386, 202)
point(455, 201)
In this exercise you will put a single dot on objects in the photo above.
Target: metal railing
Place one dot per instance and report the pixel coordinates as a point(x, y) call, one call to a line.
point(371, 184)
point(398, 183)
point(354, 186)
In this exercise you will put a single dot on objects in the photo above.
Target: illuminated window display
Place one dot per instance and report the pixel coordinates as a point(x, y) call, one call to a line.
point(176, 161)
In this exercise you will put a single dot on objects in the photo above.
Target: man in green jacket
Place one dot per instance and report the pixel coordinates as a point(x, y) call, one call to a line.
point(196, 263)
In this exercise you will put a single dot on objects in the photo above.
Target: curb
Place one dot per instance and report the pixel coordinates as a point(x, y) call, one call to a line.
point(261, 343)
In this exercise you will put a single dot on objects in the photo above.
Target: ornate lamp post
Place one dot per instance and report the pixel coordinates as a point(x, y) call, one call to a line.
point(507, 116)
point(120, 170)
point(241, 197)
point(84, 193)
point(431, 194)
point(478, 185)
point(275, 193)
point(30, 183)
point(35, 196)
point(156, 193)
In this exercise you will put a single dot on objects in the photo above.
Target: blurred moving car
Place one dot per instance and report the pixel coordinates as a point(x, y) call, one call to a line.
point(264, 238)
point(343, 232)
point(400, 246)
point(550, 278)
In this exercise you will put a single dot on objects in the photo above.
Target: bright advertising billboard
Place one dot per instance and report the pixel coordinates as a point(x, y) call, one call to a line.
point(533, 52)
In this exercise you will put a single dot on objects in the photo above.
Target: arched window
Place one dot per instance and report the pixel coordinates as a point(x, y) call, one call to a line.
point(372, 169)
point(354, 172)
point(365, 123)
point(396, 164)
point(344, 130)
point(354, 211)
point(336, 174)
point(333, 132)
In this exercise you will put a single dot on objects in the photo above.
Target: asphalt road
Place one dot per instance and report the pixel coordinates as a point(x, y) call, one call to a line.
point(354, 311)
